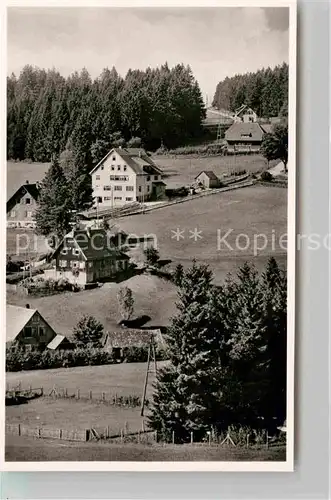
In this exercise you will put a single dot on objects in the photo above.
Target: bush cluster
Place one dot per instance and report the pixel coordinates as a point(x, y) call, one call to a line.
point(202, 149)
point(42, 286)
point(18, 358)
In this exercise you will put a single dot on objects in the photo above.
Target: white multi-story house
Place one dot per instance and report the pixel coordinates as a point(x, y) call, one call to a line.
point(126, 175)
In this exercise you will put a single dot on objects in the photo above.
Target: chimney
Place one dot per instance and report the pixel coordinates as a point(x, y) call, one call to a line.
point(27, 182)
point(27, 306)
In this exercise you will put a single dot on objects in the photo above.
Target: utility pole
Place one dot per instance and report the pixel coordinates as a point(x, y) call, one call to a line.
point(151, 353)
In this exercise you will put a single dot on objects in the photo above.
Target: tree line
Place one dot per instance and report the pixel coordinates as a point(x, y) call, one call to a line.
point(265, 91)
point(158, 106)
point(227, 350)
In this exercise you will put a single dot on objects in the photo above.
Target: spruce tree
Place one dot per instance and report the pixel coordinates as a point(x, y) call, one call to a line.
point(187, 391)
point(53, 214)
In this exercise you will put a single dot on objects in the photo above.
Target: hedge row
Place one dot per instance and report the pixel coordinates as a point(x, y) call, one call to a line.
point(18, 358)
point(202, 149)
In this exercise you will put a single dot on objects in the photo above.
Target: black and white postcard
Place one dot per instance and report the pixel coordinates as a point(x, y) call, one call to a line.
point(150, 233)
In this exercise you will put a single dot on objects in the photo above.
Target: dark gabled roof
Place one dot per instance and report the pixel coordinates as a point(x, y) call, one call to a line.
point(209, 174)
point(32, 189)
point(243, 132)
point(130, 337)
point(136, 158)
point(94, 244)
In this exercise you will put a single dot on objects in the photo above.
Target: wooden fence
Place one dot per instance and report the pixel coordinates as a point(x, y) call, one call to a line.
point(47, 433)
point(131, 400)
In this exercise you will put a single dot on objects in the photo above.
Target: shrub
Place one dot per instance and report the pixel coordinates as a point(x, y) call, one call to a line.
point(88, 331)
point(152, 255)
point(266, 176)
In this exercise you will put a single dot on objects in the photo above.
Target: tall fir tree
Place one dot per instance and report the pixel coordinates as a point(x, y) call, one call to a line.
point(54, 212)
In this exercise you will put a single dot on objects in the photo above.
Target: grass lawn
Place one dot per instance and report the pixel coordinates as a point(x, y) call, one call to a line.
point(122, 379)
point(69, 414)
point(183, 170)
point(20, 449)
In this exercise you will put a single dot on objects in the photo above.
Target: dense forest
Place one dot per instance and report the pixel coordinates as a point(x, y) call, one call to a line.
point(266, 91)
point(45, 111)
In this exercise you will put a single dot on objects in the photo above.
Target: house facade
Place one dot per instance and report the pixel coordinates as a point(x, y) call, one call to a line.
point(208, 179)
point(244, 137)
point(245, 114)
point(126, 175)
point(88, 256)
point(28, 327)
point(21, 206)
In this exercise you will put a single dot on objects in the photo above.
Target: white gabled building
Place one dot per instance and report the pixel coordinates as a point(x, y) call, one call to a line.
point(126, 175)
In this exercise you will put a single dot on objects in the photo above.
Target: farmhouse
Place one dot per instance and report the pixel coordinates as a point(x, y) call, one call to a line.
point(28, 327)
point(116, 342)
point(126, 175)
point(87, 256)
point(245, 114)
point(208, 179)
point(244, 137)
point(22, 205)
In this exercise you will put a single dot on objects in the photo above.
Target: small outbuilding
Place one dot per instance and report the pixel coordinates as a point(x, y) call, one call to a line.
point(208, 179)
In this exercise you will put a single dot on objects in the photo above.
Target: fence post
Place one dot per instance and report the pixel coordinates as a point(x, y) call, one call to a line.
point(108, 431)
point(103, 396)
point(19, 429)
point(90, 394)
point(191, 437)
point(78, 394)
point(30, 388)
point(267, 440)
point(173, 437)
point(121, 435)
point(138, 436)
point(60, 433)
point(143, 425)
point(39, 432)
point(66, 393)
point(247, 440)
point(209, 438)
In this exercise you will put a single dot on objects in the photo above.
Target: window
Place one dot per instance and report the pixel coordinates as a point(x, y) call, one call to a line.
point(28, 201)
point(148, 188)
point(118, 188)
point(118, 198)
point(27, 331)
point(97, 177)
point(82, 265)
point(118, 177)
point(34, 331)
point(75, 251)
point(99, 199)
point(74, 263)
point(124, 168)
point(62, 263)
point(128, 199)
point(118, 167)
point(102, 167)
point(112, 167)
point(29, 214)
point(107, 198)
point(64, 251)
point(114, 158)
point(25, 214)
point(129, 188)
point(156, 177)
point(107, 188)
point(41, 331)
point(35, 318)
point(90, 264)
point(140, 189)
point(13, 213)
point(148, 178)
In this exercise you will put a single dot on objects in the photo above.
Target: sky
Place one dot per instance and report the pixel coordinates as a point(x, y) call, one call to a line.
point(215, 42)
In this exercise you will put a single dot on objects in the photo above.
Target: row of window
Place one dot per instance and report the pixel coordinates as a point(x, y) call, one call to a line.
point(33, 331)
point(125, 177)
point(74, 263)
point(25, 201)
point(75, 251)
point(26, 214)
point(116, 198)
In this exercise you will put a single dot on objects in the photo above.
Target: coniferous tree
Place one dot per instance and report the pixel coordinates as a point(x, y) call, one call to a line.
point(53, 214)
point(88, 332)
point(182, 402)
